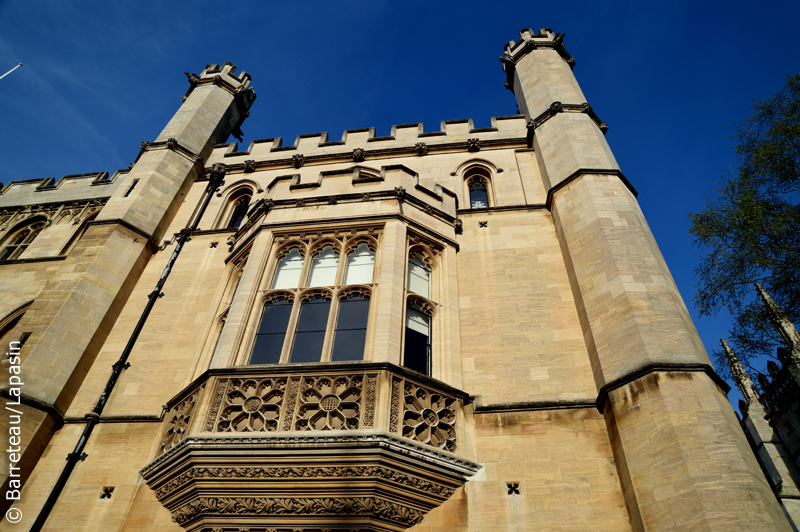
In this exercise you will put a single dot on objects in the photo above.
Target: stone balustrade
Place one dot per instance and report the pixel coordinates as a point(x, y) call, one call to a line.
point(312, 445)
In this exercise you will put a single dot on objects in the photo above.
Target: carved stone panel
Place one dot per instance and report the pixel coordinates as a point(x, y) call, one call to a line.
point(330, 403)
point(429, 417)
point(252, 405)
point(179, 418)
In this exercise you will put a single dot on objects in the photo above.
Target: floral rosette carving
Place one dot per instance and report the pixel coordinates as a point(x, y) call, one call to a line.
point(329, 403)
point(429, 417)
point(252, 405)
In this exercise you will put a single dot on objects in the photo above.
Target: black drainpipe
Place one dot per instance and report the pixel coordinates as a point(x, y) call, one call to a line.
point(215, 181)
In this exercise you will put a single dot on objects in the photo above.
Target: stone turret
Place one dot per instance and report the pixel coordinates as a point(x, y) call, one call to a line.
point(71, 317)
point(656, 386)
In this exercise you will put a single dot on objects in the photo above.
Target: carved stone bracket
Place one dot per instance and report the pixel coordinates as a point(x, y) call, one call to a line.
point(205, 480)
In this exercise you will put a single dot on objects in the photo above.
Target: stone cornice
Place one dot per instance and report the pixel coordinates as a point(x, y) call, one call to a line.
point(587, 171)
point(347, 222)
point(233, 445)
point(172, 145)
point(48, 408)
point(379, 153)
point(36, 259)
point(528, 406)
point(558, 107)
point(529, 41)
point(659, 367)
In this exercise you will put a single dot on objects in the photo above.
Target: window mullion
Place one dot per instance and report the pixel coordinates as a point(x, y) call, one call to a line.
point(333, 315)
point(288, 342)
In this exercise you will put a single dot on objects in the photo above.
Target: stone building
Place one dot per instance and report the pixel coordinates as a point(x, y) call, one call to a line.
point(464, 329)
point(771, 411)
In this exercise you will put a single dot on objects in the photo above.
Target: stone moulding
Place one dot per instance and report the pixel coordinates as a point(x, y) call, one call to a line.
point(378, 480)
point(361, 443)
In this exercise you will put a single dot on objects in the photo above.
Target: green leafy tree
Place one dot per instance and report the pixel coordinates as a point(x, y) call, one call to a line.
point(751, 232)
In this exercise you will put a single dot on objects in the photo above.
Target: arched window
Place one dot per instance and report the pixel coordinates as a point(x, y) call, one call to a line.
point(240, 205)
point(290, 266)
point(18, 242)
point(419, 276)
point(271, 332)
point(323, 267)
point(360, 265)
point(417, 352)
point(350, 336)
point(309, 336)
point(478, 195)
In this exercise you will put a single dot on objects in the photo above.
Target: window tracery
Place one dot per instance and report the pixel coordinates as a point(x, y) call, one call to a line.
point(478, 186)
point(317, 306)
point(17, 242)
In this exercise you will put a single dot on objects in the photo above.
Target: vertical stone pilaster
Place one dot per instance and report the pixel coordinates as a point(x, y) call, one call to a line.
point(682, 460)
point(390, 299)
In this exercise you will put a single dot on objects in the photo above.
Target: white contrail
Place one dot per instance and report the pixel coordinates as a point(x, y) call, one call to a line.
point(10, 71)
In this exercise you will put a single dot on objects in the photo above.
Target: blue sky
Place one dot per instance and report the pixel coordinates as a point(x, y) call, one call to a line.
point(669, 78)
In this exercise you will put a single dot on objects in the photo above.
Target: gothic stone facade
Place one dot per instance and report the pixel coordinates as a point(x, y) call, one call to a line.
point(464, 329)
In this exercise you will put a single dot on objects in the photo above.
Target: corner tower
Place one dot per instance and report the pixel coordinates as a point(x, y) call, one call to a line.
point(682, 460)
point(70, 318)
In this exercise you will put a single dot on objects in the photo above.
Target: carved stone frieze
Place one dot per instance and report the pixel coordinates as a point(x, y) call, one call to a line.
point(291, 402)
point(369, 406)
point(309, 446)
point(344, 506)
point(216, 403)
point(353, 471)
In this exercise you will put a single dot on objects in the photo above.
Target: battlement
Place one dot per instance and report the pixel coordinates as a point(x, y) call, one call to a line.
point(74, 187)
point(228, 72)
point(405, 139)
point(224, 77)
point(529, 41)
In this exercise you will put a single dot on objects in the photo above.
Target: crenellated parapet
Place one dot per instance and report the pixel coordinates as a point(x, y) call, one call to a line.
point(357, 145)
point(224, 77)
point(76, 187)
point(529, 41)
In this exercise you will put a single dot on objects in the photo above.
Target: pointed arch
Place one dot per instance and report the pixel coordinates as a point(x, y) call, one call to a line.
point(18, 239)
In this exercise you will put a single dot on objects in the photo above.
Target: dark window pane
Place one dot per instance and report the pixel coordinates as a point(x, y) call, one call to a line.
point(239, 212)
point(310, 330)
point(417, 353)
point(478, 199)
point(307, 346)
point(275, 317)
point(353, 313)
point(271, 332)
point(349, 345)
point(351, 329)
